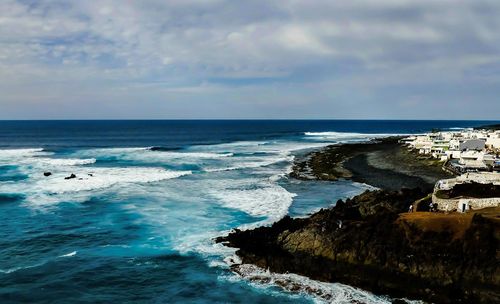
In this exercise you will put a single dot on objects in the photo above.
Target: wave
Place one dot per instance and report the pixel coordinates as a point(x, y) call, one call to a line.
point(459, 129)
point(110, 151)
point(8, 154)
point(14, 269)
point(65, 161)
point(196, 155)
point(97, 178)
point(346, 135)
point(251, 162)
point(20, 151)
point(18, 268)
point(150, 155)
point(248, 165)
point(322, 292)
point(73, 253)
point(38, 157)
point(271, 201)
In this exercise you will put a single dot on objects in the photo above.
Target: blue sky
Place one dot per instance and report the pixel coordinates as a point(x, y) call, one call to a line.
point(405, 59)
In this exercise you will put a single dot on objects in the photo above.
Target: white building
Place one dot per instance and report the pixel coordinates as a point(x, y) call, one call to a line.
point(468, 148)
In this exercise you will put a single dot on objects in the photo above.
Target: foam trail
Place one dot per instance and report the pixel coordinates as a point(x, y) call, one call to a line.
point(73, 253)
point(12, 270)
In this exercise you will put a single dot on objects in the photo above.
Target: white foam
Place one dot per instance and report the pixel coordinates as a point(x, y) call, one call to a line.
point(343, 136)
point(281, 146)
point(65, 161)
point(322, 292)
point(459, 129)
point(73, 253)
point(148, 156)
point(115, 150)
point(173, 157)
point(206, 155)
point(97, 178)
point(233, 145)
point(10, 155)
point(271, 201)
point(254, 191)
point(16, 152)
point(253, 163)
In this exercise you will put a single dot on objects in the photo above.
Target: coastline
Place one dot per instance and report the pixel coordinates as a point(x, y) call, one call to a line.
point(381, 163)
point(369, 242)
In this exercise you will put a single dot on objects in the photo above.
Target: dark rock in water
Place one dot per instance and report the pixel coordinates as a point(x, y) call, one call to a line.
point(379, 248)
point(70, 177)
point(47, 173)
point(163, 149)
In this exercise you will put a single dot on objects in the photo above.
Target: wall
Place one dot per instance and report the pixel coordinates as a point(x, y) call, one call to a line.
point(475, 203)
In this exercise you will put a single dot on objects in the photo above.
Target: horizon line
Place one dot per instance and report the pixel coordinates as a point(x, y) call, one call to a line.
point(245, 119)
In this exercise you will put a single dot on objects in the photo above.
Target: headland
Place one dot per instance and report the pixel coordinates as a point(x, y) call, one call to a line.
point(371, 241)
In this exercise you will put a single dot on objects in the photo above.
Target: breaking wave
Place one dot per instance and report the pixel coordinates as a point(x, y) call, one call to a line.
point(97, 178)
point(65, 161)
point(333, 293)
point(271, 201)
point(345, 136)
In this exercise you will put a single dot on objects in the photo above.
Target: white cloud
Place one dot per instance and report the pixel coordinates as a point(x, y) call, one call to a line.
point(49, 49)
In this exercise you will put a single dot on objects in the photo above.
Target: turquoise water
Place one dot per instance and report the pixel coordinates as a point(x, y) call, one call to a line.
point(137, 224)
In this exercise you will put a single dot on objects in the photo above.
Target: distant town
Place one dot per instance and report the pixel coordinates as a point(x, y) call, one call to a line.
point(473, 156)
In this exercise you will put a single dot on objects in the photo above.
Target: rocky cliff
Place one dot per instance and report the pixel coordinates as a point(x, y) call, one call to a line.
point(367, 242)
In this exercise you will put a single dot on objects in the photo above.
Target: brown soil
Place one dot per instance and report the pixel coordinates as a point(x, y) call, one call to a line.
point(454, 223)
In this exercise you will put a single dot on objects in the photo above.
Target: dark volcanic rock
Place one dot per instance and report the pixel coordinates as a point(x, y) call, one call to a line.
point(489, 127)
point(376, 250)
point(163, 149)
point(70, 177)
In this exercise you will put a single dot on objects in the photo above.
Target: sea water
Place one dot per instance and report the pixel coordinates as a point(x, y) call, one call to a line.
point(138, 222)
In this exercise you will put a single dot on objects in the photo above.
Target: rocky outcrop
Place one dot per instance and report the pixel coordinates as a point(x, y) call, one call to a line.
point(365, 242)
point(72, 176)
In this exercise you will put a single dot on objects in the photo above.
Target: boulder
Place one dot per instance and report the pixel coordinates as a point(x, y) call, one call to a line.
point(70, 177)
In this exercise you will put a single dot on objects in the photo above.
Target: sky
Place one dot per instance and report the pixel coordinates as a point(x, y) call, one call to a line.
point(237, 59)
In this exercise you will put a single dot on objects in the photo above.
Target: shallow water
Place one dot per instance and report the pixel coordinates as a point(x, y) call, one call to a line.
point(137, 225)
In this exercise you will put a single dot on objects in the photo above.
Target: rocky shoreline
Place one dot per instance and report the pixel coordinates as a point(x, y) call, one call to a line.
point(370, 242)
point(382, 163)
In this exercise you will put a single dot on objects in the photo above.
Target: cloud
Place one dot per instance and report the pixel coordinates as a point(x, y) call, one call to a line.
point(339, 58)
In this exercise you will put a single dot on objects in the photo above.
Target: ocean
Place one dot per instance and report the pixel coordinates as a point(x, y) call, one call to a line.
point(137, 223)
